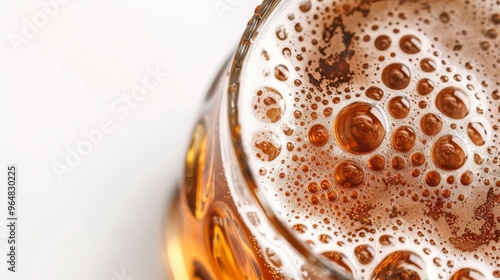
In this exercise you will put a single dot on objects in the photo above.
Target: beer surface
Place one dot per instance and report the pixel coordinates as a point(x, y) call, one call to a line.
point(372, 128)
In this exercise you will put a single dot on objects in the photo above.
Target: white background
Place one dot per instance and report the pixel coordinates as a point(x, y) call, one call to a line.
point(65, 68)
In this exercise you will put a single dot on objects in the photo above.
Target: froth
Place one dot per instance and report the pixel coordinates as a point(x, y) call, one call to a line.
point(376, 123)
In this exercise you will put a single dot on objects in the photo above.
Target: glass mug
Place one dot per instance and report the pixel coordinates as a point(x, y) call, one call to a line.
point(349, 139)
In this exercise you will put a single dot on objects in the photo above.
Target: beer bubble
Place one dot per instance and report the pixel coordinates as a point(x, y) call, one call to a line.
point(281, 72)
point(453, 102)
point(444, 17)
point(267, 146)
point(495, 18)
point(477, 133)
point(382, 42)
point(288, 128)
point(360, 128)
point(332, 196)
point(385, 240)
point(485, 45)
point(376, 163)
point(313, 187)
point(324, 238)
point(467, 273)
point(318, 135)
point(399, 107)
point(364, 253)
point(403, 139)
point(410, 44)
point(374, 93)
point(300, 228)
point(305, 6)
point(398, 163)
point(396, 76)
point(328, 111)
point(492, 33)
point(265, 55)
point(428, 65)
point(432, 178)
point(495, 95)
point(268, 105)
point(450, 180)
point(448, 153)
point(425, 86)
point(298, 27)
point(325, 184)
point(349, 174)
point(401, 265)
point(273, 258)
point(422, 104)
point(492, 150)
point(417, 159)
point(287, 52)
point(431, 124)
point(339, 259)
point(281, 33)
point(466, 178)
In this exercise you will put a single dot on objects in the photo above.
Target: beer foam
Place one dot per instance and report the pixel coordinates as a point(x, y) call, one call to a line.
point(372, 127)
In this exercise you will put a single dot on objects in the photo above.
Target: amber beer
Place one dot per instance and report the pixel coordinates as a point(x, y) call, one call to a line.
point(349, 139)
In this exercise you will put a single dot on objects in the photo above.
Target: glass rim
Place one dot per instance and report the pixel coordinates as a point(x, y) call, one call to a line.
point(257, 22)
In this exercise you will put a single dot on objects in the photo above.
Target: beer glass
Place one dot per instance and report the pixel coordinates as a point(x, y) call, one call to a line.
point(350, 139)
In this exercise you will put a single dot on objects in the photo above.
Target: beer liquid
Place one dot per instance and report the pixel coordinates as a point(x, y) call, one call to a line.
point(372, 129)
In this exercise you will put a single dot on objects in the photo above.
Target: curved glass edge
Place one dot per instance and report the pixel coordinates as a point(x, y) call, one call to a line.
point(264, 12)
